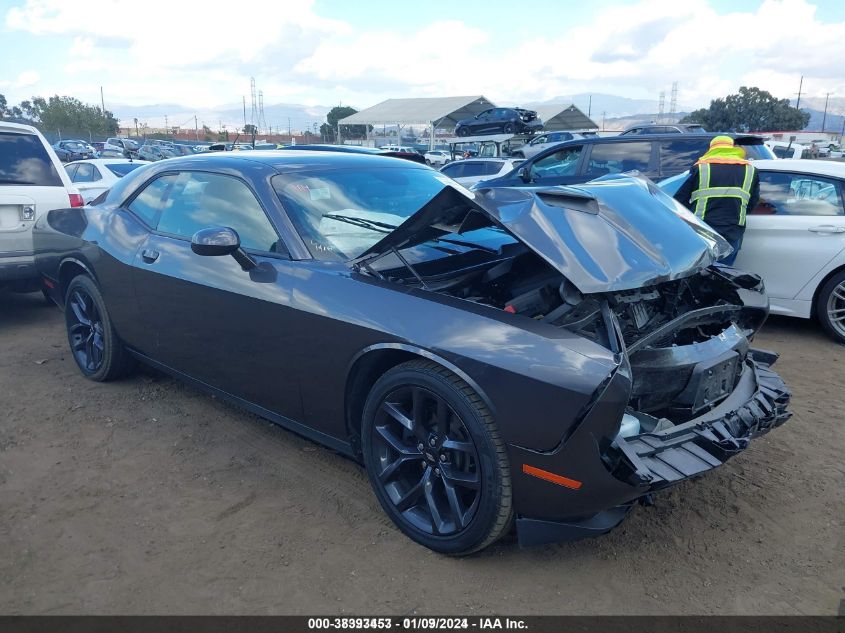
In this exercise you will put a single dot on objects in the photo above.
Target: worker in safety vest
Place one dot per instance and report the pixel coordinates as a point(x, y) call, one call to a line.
point(721, 188)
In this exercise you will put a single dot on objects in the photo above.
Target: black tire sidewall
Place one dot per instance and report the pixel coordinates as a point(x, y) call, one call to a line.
point(486, 514)
point(111, 352)
point(821, 305)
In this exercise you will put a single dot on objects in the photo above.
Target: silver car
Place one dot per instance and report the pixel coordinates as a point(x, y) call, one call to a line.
point(542, 142)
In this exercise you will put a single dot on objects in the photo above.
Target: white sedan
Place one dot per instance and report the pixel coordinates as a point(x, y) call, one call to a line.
point(795, 238)
point(93, 177)
point(470, 171)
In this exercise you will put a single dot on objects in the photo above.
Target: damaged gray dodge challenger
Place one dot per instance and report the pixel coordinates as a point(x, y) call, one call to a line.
point(537, 358)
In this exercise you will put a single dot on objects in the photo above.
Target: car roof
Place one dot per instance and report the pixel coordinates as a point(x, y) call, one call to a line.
point(284, 161)
point(819, 167)
point(102, 162)
point(8, 126)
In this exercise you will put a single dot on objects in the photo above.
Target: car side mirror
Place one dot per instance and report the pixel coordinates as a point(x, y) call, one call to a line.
point(524, 174)
point(217, 241)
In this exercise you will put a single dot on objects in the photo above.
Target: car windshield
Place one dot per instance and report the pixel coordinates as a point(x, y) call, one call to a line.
point(340, 214)
point(121, 169)
point(24, 161)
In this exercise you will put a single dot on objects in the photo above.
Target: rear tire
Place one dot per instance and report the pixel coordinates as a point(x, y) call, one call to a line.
point(435, 459)
point(98, 351)
point(508, 129)
point(830, 307)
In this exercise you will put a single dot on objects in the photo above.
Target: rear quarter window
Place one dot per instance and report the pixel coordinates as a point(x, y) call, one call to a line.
point(679, 156)
point(25, 161)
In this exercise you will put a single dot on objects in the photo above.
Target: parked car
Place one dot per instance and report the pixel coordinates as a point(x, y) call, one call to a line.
point(358, 149)
point(795, 239)
point(32, 182)
point(660, 128)
point(655, 156)
point(487, 363)
point(76, 149)
point(500, 121)
point(62, 154)
point(437, 157)
point(543, 142)
point(151, 152)
point(93, 177)
point(110, 153)
point(783, 149)
point(126, 146)
point(398, 148)
point(469, 171)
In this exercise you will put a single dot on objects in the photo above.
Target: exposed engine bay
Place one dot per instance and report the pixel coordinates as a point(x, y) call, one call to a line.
point(666, 331)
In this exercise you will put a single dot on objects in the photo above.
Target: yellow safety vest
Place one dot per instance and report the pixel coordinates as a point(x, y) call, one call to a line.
point(704, 192)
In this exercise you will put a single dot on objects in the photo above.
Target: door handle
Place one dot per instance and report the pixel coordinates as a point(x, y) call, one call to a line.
point(827, 228)
point(149, 256)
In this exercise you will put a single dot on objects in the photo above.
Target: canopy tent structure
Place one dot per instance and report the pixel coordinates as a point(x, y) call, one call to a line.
point(437, 112)
point(556, 117)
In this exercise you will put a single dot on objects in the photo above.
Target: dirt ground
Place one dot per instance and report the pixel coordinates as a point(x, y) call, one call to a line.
point(147, 496)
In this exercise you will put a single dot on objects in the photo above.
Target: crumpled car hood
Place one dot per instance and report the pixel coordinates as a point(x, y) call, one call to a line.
point(615, 233)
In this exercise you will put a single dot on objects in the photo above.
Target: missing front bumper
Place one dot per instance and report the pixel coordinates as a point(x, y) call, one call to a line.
point(756, 406)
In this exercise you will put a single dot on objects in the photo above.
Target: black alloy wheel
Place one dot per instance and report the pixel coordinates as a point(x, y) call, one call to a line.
point(508, 129)
point(85, 331)
point(95, 346)
point(435, 459)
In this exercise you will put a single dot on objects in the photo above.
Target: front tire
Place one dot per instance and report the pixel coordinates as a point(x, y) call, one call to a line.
point(98, 351)
point(435, 459)
point(830, 307)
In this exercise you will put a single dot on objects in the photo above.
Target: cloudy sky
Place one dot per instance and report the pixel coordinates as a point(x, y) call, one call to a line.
point(201, 53)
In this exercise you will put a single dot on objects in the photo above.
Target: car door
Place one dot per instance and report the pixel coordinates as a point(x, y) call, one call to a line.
point(797, 228)
point(561, 167)
point(208, 318)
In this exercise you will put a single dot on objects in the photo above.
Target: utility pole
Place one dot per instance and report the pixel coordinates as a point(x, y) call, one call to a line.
point(590, 106)
point(603, 115)
point(196, 127)
point(102, 101)
point(842, 131)
point(289, 134)
point(800, 84)
point(824, 116)
point(244, 114)
point(166, 126)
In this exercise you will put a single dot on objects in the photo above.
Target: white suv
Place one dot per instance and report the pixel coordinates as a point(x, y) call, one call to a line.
point(32, 182)
point(127, 146)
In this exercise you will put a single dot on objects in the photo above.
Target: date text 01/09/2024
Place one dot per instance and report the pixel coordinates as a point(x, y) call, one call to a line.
point(416, 623)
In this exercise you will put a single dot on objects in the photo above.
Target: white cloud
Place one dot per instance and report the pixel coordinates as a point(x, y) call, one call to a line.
point(154, 55)
point(27, 78)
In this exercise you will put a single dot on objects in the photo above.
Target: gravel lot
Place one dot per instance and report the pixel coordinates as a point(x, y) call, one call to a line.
point(147, 496)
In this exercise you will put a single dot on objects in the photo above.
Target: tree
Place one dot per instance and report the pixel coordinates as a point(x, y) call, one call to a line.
point(2, 105)
point(66, 113)
point(329, 129)
point(750, 110)
point(249, 128)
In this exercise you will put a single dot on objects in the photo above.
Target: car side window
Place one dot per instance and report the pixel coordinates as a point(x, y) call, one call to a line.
point(84, 173)
point(199, 200)
point(71, 171)
point(563, 162)
point(148, 204)
point(782, 193)
point(95, 174)
point(453, 170)
point(680, 155)
point(615, 158)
